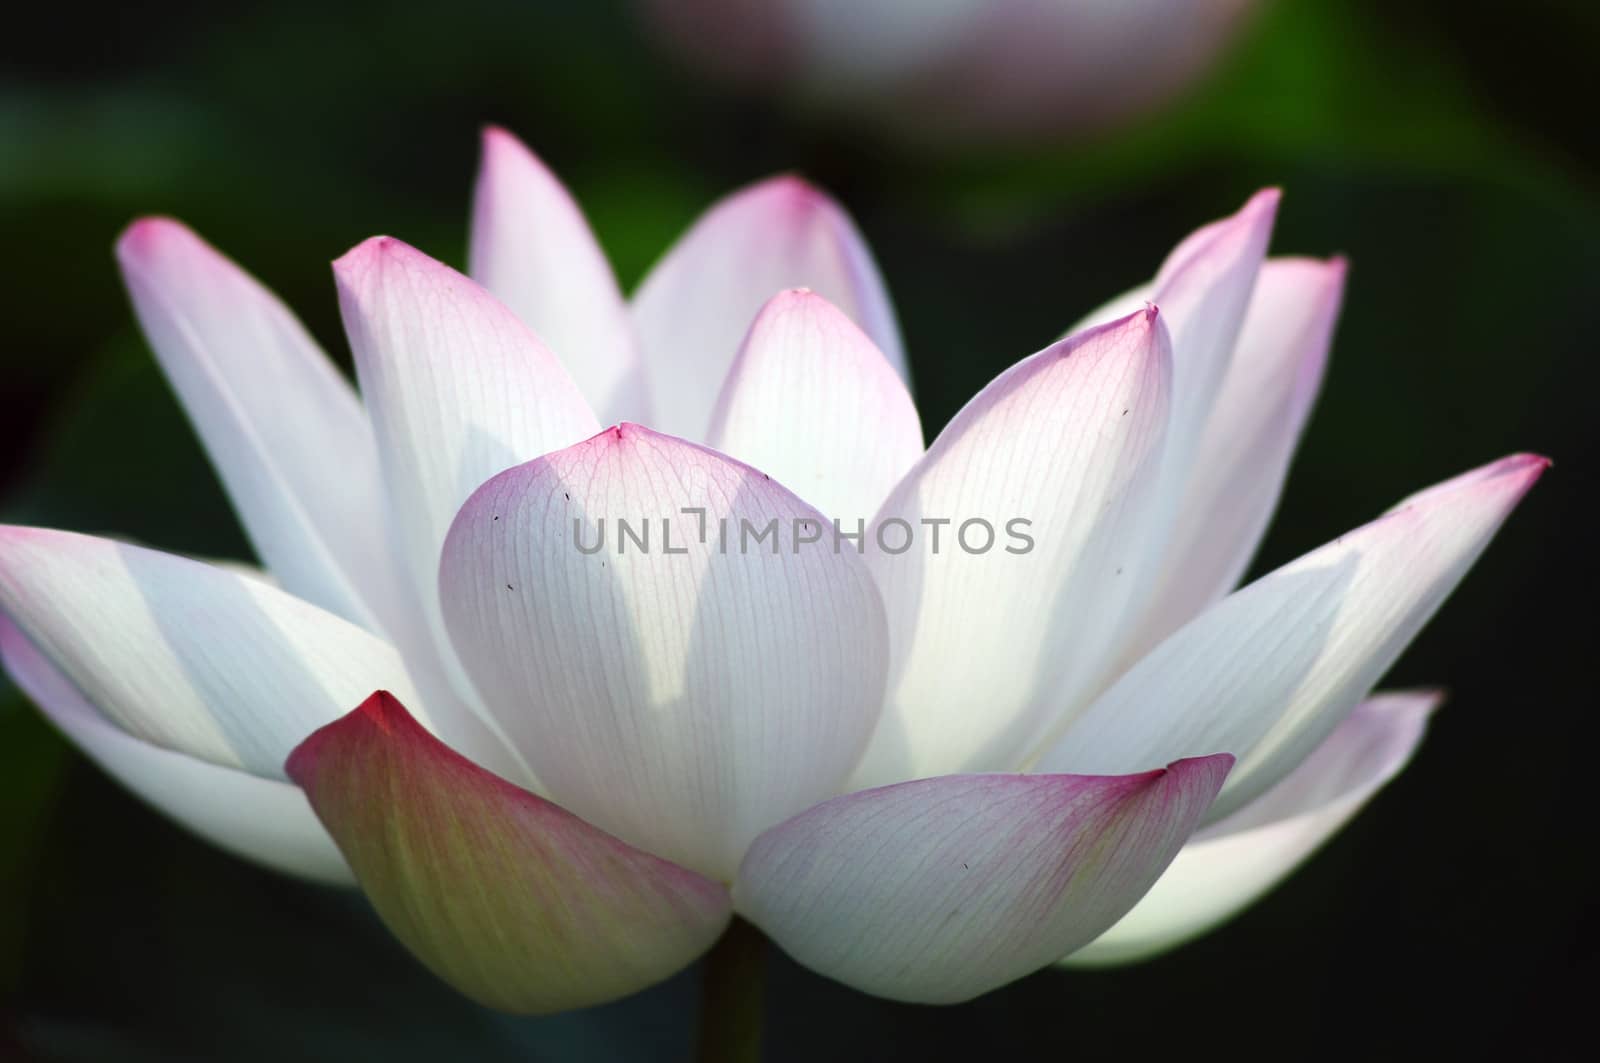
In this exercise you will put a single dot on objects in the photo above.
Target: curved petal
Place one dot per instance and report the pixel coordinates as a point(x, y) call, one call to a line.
point(533, 249)
point(1229, 865)
point(695, 305)
point(458, 388)
point(516, 902)
point(185, 656)
point(271, 411)
point(1204, 287)
point(685, 693)
point(1060, 455)
point(1269, 672)
point(1249, 436)
point(812, 401)
point(259, 819)
point(938, 890)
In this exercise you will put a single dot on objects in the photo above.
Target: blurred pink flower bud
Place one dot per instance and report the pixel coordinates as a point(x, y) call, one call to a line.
point(972, 70)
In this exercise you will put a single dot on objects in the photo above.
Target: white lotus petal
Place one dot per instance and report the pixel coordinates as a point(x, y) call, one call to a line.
point(533, 249)
point(1269, 672)
point(1203, 289)
point(459, 389)
point(693, 308)
point(682, 696)
point(284, 429)
point(989, 648)
point(259, 819)
point(937, 890)
point(1231, 864)
point(813, 402)
point(1243, 454)
point(186, 656)
point(1205, 285)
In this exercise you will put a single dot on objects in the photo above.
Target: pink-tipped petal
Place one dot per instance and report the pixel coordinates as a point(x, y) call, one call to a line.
point(812, 401)
point(990, 644)
point(1204, 289)
point(516, 902)
point(1270, 671)
point(259, 819)
point(1243, 454)
point(533, 249)
point(686, 694)
point(458, 388)
point(938, 890)
point(1229, 865)
point(273, 413)
point(184, 655)
point(694, 307)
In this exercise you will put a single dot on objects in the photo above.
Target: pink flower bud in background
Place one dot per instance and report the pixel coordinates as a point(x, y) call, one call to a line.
point(972, 70)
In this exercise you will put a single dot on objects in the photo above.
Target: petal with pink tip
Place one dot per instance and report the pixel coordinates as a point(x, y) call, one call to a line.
point(694, 307)
point(1204, 290)
point(812, 401)
point(514, 901)
point(458, 388)
point(285, 431)
point(684, 695)
point(259, 819)
point(938, 890)
point(1243, 455)
point(1270, 671)
point(1231, 864)
point(533, 249)
point(990, 645)
point(1205, 287)
point(186, 656)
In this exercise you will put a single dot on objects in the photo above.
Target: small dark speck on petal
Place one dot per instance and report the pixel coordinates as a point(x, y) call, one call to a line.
point(567, 495)
point(1124, 413)
point(509, 587)
point(964, 866)
point(497, 516)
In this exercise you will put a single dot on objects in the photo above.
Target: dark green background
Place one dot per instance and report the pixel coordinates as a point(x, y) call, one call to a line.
point(1449, 149)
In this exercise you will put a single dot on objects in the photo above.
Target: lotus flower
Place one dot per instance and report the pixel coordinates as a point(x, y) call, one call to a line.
point(557, 768)
point(959, 69)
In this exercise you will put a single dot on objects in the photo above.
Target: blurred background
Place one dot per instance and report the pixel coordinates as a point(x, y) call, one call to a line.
point(1448, 149)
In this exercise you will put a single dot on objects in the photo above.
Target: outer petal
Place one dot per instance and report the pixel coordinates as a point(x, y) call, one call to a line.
point(259, 819)
point(286, 433)
point(812, 401)
point(533, 249)
point(938, 890)
point(685, 696)
point(186, 656)
point(511, 899)
point(1270, 671)
point(1231, 864)
point(990, 647)
point(693, 308)
point(1243, 454)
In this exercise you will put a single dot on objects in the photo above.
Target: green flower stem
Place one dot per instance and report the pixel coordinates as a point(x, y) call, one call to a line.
point(733, 989)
